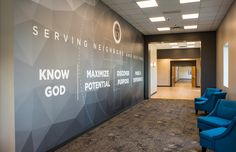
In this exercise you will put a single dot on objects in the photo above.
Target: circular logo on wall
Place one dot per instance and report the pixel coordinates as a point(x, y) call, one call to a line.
point(117, 32)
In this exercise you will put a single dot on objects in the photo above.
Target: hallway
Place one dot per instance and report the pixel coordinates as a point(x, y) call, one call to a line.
point(182, 90)
point(143, 128)
point(117, 75)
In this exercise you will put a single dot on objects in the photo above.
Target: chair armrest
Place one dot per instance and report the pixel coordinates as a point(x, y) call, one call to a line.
point(200, 99)
point(228, 130)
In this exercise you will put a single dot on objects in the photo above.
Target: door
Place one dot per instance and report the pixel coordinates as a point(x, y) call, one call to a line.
point(173, 79)
point(194, 76)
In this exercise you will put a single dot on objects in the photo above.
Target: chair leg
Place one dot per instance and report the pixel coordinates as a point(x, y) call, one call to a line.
point(196, 111)
point(203, 149)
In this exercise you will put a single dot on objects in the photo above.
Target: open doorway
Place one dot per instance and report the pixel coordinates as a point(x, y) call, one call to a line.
point(177, 70)
point(183, 72)
point(183, 76)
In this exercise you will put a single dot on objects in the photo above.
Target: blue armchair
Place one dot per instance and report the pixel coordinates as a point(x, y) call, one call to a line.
point(209, 104)
point(207, 94)
point(219, 139)
point(221, 116)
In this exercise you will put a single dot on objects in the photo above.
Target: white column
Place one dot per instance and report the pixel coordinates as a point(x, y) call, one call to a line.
point(7, 121)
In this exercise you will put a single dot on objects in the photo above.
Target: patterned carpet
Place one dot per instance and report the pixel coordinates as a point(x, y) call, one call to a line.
point(151, 126)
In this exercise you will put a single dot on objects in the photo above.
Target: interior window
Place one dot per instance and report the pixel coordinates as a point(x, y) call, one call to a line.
point(226, 65)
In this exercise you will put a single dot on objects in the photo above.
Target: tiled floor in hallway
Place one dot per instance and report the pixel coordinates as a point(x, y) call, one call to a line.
point(151, 126)
point(181, 90)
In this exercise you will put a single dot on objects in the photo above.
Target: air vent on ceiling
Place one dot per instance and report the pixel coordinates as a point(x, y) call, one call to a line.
point(176, 28)
point(172, 12)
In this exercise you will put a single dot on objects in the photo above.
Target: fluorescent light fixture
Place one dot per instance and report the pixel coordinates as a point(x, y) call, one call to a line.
point(163, 29)
point(173, 43)
point(188, 1)
point(190, 27)
point(147, 3)
point(190, 16)
point(154, 64)
point(175, 47)
point(151, 64)
point(190, 43)
point(191, 46)
point(157, 19)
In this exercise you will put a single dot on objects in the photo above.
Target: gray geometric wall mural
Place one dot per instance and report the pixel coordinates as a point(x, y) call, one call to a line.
point(77, 63)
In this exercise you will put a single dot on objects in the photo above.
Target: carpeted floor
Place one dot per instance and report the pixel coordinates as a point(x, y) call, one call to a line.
point(151, 126)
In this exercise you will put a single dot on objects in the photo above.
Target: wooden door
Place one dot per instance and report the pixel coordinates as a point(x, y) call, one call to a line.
point(194, 76)
point(173, 79)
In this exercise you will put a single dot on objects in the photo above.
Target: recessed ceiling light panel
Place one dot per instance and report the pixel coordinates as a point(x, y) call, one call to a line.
point(188, 1)
point(147, 3)
point(190, 27)
point(190, 16)
point(157, 19)
point(190, 43)
point(173, 43)
point(175, 47)
point(190, 46)
point(163, 29)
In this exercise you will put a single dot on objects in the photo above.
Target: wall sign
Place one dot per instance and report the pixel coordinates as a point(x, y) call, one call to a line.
point(74, 68)
point(117, 32)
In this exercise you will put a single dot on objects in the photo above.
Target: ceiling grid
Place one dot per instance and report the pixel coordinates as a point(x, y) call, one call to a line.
point(211, 13)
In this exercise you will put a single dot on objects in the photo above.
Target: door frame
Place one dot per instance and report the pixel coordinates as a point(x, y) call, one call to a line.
point(182, 63)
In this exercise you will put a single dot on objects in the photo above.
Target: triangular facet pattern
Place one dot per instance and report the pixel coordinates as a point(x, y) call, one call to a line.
point(54, 35)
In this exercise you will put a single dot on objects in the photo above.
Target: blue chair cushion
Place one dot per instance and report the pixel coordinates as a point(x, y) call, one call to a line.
point(214, 121)
point(210, 134)
point(207, 137)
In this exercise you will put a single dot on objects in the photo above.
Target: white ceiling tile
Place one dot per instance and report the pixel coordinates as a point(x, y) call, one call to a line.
point(118, 2)
point(211, 13)
point(124, 6)
point(211, 3)
point(133, 11)
point(209, 9)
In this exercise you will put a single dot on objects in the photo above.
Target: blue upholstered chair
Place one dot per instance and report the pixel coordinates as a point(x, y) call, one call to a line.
point(221, 116)
point(220, 139)
point(209, 104)
point(207, 94)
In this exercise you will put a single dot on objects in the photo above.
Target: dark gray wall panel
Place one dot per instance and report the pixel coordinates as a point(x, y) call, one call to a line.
point(183, 63)
point(178, 53)
point(77, 38)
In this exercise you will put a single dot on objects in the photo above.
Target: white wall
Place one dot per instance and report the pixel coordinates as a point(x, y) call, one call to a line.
point(184, 72)
point(227, 33)
point(152, 69)
point(7, 129)
point(163, 72)
point(176, 74)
